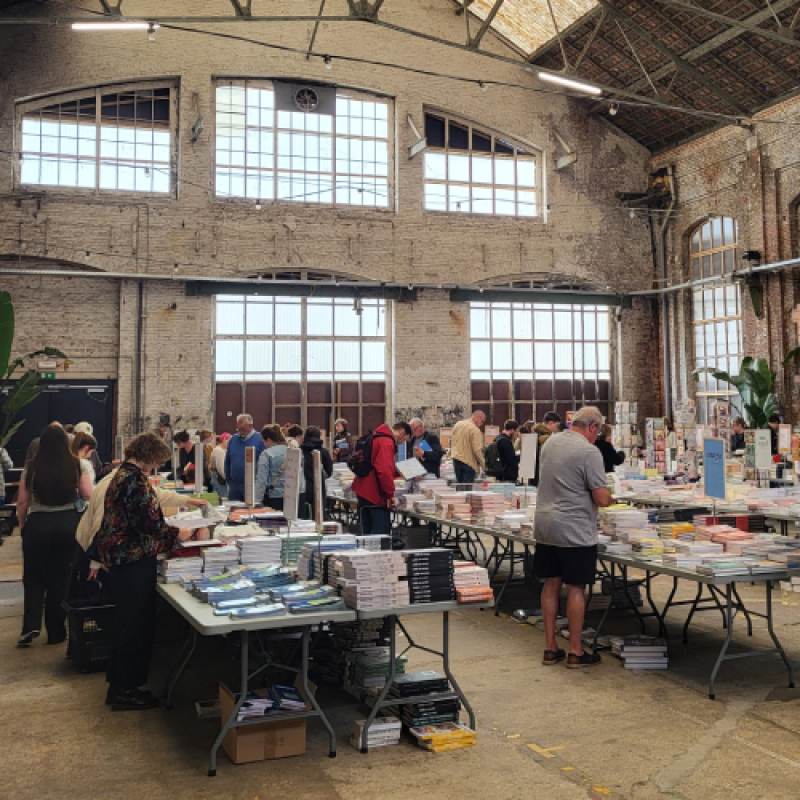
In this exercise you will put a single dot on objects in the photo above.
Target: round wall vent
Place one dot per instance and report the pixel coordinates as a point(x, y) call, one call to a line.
point(306, 99)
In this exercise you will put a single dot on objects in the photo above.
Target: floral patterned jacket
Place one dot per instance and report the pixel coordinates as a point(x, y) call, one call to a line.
point(133, 525)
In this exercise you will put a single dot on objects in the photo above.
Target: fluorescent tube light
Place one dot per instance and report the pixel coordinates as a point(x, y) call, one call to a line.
point(570, 84)
point(114, 26)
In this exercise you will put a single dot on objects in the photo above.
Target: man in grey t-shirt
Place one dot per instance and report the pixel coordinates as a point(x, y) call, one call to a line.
point(572, 483)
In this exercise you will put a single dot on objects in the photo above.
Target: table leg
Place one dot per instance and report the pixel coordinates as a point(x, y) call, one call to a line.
point(607, 611)
point(662, 631)
point(446, 665)
point(310, 695)
point(229, 723)
point(774, 637)
point(507, 581)
point(726, 643)
point(691, 613)
point(493, 554)
point(744, 611)
point(389, 681)
point(187, 651)
point(625, 588)
point(715, 593)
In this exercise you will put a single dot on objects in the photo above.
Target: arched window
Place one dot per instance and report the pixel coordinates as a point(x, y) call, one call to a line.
point(472, 171)
point(273, 143)
point(110, 138)
point(717, 311)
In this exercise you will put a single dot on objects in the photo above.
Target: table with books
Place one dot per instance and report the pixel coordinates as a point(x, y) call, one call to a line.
point(434, 689)
point(721, 596)
point(204, 622)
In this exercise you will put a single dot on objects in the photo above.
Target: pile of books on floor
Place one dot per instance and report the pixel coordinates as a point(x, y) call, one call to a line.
point(472, 583)
point(641, 652)
point(348, 640)
point(432, 710)
point(259, 550)
point(371, 667)
point(261, 702)
point(430, 575)
point(444, 737)
point(383, 732)
point(217, 559)
point(178, 570)
point(370, 579)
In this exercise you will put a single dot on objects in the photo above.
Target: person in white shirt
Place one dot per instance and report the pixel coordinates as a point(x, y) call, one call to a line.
point(217, 465)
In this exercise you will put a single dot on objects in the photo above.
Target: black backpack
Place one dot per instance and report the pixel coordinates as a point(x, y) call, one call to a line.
point(360, 460)
point(494, 464)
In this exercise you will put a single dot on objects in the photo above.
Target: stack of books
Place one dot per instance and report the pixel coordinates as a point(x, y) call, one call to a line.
point(444, 737)
point(217, 559)
point(432, 710)
point(259, 550)
point(371, 579)
point(641, 652)
point(271, 521)
point(372, 667)
point(472, 583)
point(259, 611)
point(311, 558)
point(287, 698)
point(383, 732)
point(430, 575)
point(177, 570)
point(485, 506)
point(292, 543)
point(267, 578)
point(716, 568)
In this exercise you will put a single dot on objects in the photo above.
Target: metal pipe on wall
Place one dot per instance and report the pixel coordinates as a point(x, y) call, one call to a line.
point(662, 262)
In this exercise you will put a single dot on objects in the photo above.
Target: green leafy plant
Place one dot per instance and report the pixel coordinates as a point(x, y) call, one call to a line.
point(25, 382)
point(755, 384)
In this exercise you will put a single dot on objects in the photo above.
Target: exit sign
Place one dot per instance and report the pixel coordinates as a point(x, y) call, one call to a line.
point(48, 375)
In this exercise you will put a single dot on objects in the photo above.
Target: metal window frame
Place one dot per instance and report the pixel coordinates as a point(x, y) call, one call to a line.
point(535, 156)
point(26, 107)
point(275, 129)
point(307, 378)
point(709, 396)
point(583, 375)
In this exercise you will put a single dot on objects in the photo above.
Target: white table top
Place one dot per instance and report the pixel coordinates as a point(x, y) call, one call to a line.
point(201, 615)
point(421, 608)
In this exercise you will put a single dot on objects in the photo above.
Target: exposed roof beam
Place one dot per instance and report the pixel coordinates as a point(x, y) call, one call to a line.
point(242, 10)
point(482, 31)
point(363, 9)
point(712, 44)
point(681, 64)
point(548, 46)
point(741, 25)
point(316, 28)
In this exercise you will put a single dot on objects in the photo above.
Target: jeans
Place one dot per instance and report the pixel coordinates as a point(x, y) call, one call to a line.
point(235, 490)
point(464, 472)
point(375, 520)
point(133, 589)
point(48, 548)
point(220, 488)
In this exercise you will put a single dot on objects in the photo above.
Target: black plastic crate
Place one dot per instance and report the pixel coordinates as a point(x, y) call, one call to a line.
point(90, 635)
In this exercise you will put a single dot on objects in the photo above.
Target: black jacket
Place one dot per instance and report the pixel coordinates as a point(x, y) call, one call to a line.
point(508, 457)
point(737, 442)
point(431, 459)
point(184, 460)
point(308, 448)
point(611, 457)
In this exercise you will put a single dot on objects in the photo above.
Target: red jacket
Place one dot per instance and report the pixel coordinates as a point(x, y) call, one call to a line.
point(378, 487)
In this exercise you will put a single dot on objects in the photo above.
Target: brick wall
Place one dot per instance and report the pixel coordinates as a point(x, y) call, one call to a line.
point(754, 177)
point(587, 235)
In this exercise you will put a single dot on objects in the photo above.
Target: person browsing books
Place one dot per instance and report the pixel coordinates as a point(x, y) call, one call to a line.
point(737, 440)
point(509, 458)
point(245, 437)
point(375, 488)
point(572, 485)
point(466, 447)
point(611, 456)
point(426, 447)
point(342, 441)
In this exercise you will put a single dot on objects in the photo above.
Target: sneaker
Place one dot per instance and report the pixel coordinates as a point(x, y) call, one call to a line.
point(551, 657)
point(585, 660)
point(26, 639)
point(133, 700)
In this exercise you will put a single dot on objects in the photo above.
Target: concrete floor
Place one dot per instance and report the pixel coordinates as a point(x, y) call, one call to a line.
point(543, 732)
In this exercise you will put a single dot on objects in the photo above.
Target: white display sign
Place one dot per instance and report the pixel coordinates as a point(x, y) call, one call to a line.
point(199, 471)
point(291, 493)
point(250, 477)
point(763, 449)
point(528, 452)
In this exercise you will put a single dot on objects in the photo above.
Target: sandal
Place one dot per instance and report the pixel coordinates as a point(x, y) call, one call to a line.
point(551, 657)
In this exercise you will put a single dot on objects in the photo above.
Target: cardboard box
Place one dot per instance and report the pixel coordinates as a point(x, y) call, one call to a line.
point(278, 738)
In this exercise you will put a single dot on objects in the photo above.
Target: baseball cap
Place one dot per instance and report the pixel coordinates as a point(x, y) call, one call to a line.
point(224, 437)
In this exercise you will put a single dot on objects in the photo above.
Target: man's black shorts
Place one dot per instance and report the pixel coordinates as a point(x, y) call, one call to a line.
point(574, 565)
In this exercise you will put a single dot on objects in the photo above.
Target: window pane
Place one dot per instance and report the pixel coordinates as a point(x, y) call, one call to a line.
point(479, 323)
point(501, 357)
point(563, 357)
point(543, 324)
point(258, 356)
point(563, 324)
point(501, 324)
point(348, 358)
point(287, 318)
point(523, 324)
point(288, 357)
point(259, 319)
point(543, 356)
point(480, 357)
point(230, 355)
point(435, 166)
point(373, 356)
point(602, 326)
point(372, 323)
point(320, 356)
point(230, 319)
point(482, 169)
point(523, 357)
point(346, 320)
point(320, 319)
point(435, 197)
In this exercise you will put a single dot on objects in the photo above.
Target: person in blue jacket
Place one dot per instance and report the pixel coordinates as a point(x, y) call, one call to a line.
point(246, 436)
